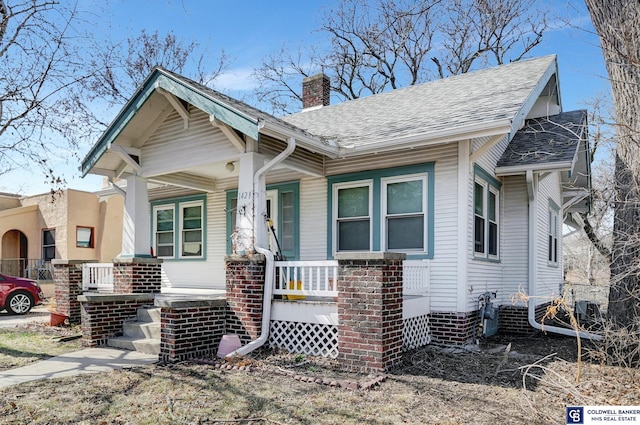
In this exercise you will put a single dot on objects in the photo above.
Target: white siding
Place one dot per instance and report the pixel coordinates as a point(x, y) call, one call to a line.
point(483, 275)
point(549, 276)
point(313, 219)
point(515, 238)
point(444, 276)
point(209, 273)
point(165, 151)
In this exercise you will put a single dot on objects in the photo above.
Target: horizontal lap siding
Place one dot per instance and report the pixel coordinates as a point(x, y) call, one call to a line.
point(515, 228)
point(548, 277)
point(444, 266)
point(313, 219)
point(174, 148)
point(487, 276)
point(209, 273)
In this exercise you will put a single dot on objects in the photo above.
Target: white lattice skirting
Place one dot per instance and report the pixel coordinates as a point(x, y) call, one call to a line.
point(322, 340)
point(415, 332)
point(304, 338)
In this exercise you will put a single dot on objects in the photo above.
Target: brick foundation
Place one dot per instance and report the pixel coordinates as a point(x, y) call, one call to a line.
point(370, 311)
point(190, 328)
point(245, 285)
point(137, 275)
point(67, 275)
point(452, 328)
point(103, 315)
point(514, 319)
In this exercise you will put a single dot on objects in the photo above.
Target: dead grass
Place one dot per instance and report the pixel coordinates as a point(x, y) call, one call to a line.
point(431, 386)
point(27, 344)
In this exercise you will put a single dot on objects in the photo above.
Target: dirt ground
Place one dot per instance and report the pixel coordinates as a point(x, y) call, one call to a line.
point(510, 380)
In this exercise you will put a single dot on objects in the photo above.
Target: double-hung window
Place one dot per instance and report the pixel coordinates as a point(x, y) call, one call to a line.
point(404, 208)
point(383, 210)
point(353, 216)
point(486, 216)
point(554, 225)
point(179, 228)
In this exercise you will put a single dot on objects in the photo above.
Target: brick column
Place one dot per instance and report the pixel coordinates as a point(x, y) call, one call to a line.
point(369, 310)
point(67, 275)
point(245, 287)
point(137, 275)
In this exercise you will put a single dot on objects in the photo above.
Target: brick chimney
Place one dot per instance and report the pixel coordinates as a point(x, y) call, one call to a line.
point(316, 91)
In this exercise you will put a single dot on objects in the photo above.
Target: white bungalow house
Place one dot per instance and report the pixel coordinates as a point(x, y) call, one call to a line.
point(470, 176)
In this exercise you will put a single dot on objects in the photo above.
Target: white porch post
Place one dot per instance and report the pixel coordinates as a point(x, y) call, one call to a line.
point(136, 231)
point(251, 205)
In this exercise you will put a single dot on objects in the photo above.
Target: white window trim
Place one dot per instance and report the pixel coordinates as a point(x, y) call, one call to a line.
point(335, 219)
point(487, 188)
point(383, 212)
point(181, 207)
point(157, 208)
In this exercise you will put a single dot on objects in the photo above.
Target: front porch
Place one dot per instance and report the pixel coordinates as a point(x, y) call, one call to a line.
point(310, 304)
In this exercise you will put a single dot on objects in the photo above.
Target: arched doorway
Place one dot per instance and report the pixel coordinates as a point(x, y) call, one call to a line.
point(14, 253)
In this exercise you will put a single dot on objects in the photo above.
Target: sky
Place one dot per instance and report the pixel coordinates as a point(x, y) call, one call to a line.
point(249, 30)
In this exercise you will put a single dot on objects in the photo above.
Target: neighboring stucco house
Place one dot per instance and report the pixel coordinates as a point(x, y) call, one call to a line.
point(69, 224)
point(473, 174)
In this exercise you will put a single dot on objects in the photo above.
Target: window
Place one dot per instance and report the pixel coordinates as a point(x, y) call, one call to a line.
point(353, 216)
point(48, 244)
point(383, 210)
point(554, 225)
point(486, 213)
point(179, 228)
point(84, 237)
point(404, 210)
point(191, 229)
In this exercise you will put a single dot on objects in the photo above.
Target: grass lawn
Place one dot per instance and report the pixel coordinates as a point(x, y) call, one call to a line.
point(24, 345)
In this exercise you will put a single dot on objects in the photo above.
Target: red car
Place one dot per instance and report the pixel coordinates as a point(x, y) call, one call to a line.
point(18, 295)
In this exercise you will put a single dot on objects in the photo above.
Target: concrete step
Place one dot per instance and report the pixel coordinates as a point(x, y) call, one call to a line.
point(141, 330)
point(142, 345)
point(149, 314)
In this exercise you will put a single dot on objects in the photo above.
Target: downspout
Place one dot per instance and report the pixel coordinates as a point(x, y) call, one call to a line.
point(532, 191)
point(269, 274)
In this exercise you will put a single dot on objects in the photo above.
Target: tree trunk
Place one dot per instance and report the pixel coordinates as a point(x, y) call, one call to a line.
point(617, 24)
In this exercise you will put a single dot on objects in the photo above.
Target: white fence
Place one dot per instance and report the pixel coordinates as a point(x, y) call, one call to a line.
point(97, 277)
point(299, 279)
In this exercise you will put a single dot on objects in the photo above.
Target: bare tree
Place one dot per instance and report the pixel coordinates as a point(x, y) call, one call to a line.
point(381, 45)
point(619, 30)
point(58, 82)
point(38, 64)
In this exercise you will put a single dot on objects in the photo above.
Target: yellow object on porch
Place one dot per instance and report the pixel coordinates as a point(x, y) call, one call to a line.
point(296, 286)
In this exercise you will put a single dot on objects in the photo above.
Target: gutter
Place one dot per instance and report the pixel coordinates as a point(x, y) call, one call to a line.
point(269, 274)
point(532, 191)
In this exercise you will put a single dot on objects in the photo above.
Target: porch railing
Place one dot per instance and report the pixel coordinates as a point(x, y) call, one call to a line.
point(300, 279)
point(416, 277)
point(31, 268)
point(97, 277)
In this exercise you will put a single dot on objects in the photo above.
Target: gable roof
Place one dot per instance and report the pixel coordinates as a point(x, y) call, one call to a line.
point(545, 143)
point(494, 100)
point(237, 114)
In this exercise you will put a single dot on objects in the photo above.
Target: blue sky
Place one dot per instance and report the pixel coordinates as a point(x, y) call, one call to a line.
point(249, 30)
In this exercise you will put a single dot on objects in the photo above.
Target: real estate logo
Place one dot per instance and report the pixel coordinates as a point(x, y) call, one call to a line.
point(575, 415)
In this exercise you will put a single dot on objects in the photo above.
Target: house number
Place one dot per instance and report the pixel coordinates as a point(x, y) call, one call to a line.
point(244, 195)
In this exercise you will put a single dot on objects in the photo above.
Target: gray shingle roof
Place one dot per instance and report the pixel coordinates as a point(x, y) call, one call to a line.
point(551, 140)
point(478, 97)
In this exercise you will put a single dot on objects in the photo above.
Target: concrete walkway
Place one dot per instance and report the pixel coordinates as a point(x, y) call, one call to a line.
point(38, 314)
point(90, 360)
